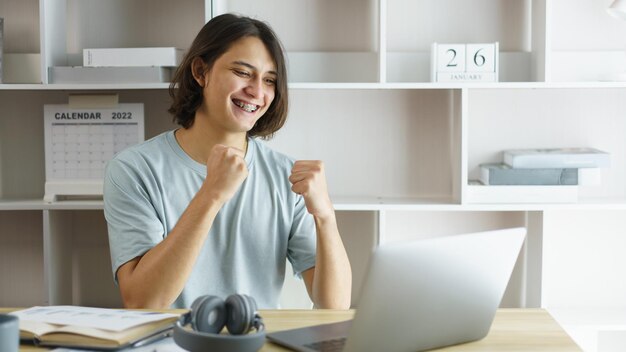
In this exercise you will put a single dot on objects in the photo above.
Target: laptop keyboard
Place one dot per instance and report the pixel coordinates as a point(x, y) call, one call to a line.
point(334, 345)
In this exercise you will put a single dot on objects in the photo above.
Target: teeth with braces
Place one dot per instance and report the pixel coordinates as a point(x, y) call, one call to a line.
point(246, 107)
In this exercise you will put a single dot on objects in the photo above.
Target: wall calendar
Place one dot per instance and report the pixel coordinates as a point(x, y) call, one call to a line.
point(79, 143)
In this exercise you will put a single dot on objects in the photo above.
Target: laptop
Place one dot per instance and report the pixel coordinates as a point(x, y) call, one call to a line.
point(422, 295)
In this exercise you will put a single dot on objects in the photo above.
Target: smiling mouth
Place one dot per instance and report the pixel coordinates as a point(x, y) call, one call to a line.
point(245, 106)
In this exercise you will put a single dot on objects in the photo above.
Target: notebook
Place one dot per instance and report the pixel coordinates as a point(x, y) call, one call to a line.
point(92, 328)
point(422, 295)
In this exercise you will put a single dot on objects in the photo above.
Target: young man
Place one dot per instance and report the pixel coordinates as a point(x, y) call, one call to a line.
point(207, 208)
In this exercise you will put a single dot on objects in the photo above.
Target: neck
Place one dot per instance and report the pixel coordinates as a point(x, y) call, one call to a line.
point(197, 141)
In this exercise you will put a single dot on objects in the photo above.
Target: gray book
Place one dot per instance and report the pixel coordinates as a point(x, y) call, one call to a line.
point(1, 45)
point(80, 74)
point(502, 174)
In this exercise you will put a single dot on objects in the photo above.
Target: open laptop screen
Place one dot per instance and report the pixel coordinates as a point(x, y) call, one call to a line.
point(424, 294)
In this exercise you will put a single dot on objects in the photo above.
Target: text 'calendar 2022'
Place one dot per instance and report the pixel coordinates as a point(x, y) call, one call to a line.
point(79, 142)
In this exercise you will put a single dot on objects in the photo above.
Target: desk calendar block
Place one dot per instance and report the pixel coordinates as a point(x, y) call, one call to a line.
point(79, 142)
point(464, 62)
point(450, 58)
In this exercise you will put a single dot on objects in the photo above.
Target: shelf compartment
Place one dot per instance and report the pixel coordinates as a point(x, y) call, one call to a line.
point(415, 25)
point(22, 171)
point(407, 226)
point(583, 252)
point(550, 118)
point(387, 130)
point(21, 61)
point(412, 27)
point(21, 256)
point(580, 25)
point(21, 26)
point(593, 52)
point(325, 41)
point(78, 258)
point(73, 25)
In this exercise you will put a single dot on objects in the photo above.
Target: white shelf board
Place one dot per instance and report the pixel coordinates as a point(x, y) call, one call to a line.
point(460, 85)
point(21, 204)
point(338, 86)
point(446, 204)
point(39, 204)
point(356, 204)
point(386, 203)
point(85, 86)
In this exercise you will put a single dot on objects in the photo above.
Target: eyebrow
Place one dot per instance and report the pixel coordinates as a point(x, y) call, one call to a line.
point(243, 63)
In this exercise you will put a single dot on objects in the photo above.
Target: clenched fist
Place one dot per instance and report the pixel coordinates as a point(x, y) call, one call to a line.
point(226, 171)
point(308, 179)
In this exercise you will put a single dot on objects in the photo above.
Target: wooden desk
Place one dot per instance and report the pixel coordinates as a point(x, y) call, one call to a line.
point(512, 330)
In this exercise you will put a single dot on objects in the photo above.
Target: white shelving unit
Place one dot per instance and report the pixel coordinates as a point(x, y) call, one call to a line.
point(399, 149)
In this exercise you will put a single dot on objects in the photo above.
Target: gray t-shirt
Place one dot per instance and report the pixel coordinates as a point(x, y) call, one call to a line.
point(147, 188)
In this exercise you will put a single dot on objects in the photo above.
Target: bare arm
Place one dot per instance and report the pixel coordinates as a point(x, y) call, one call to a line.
point(329, 283)
point(155, 279)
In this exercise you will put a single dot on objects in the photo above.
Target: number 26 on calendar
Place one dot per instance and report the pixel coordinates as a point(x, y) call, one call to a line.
point(464, 62)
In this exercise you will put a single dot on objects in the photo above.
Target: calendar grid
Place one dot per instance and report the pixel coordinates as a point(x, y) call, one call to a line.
point(80, 151)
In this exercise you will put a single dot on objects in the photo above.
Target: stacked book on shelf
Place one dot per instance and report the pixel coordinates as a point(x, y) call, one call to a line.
point(539, 175)
point(120, 65)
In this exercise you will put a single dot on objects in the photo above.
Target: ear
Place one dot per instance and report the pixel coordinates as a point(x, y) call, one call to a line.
point(199, 70)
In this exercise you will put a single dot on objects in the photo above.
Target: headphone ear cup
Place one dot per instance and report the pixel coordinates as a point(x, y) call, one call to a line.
point(208, 314)
point(241, 310)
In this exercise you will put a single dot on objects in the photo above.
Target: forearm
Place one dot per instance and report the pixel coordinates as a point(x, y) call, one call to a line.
point(161, 273)
point(332, 281)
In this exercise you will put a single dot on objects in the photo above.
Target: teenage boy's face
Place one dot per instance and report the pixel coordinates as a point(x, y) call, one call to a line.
point(241, 86)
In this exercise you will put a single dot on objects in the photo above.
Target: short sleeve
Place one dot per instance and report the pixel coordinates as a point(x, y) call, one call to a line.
point(133, 224)
point(302, 239)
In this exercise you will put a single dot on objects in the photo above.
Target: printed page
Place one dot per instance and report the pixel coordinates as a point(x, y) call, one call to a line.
point(100, 318)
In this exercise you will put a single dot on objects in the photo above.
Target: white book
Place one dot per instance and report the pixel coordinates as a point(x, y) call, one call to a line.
point(557, 158)
point(521, 194)
point(120, 57)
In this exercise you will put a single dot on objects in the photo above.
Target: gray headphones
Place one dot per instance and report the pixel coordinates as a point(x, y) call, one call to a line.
point(209, 314)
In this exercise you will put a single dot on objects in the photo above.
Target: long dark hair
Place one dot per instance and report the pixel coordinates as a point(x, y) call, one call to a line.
point(213, 40)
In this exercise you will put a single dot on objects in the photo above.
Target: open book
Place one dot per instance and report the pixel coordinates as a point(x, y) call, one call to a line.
point(85, 327)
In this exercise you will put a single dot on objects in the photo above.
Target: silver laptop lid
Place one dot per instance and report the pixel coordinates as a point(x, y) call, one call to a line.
point(432, 293)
